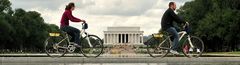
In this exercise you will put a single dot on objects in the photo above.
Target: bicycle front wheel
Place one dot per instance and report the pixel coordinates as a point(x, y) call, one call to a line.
point(157, 47)
point(92, 46)
point(55, 46)
point(196, 50)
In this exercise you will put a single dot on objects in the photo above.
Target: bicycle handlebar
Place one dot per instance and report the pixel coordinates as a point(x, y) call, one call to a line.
point(186, 27)
point(84, 25)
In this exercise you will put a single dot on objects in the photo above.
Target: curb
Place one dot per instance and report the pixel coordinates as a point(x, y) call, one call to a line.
point(115, 55)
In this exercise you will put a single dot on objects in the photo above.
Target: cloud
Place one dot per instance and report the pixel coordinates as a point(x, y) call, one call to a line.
point(101, 14)
point(28, 4)
point(116, 7)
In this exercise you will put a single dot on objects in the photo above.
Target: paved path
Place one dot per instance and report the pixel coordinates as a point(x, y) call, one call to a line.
point(109, 55)
point(119, 60)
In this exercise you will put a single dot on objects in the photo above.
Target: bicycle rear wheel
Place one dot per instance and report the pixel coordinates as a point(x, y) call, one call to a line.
point(54, 48)
point(197, 51)
point(157, 47)
point(95, 50)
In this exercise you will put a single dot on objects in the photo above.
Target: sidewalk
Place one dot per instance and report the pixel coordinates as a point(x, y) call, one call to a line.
point(81, 60)
point(111, 55)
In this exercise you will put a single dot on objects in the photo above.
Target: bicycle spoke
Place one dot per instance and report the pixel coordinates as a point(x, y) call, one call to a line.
point(157, 49)
point(55, 49)
point(95, 50)
point(194, 51)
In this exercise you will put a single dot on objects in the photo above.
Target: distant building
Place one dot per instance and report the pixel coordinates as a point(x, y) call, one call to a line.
point(123, 35)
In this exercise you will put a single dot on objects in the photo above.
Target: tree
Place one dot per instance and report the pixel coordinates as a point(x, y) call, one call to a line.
point(215, 21)
point(22, 30)
point(5, 5)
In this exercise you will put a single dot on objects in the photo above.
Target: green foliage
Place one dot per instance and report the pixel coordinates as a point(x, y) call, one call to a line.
point(22, 30)
point(215, 21)
point(5, 5)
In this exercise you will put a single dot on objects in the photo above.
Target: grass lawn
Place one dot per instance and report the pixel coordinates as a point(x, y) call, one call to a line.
point(237, 52)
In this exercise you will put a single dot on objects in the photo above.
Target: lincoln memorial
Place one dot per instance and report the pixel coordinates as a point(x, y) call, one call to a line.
point(123, 36)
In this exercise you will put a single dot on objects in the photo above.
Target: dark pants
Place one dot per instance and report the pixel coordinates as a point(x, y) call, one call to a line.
point(174, 33)
point(73, 32)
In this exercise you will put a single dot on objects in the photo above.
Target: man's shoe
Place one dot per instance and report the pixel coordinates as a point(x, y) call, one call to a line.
point(198, 50)
point(75, 44)
point(174, 52)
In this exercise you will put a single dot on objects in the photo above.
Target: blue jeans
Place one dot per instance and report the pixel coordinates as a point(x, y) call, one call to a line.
point(174, 33)
point(73, 32)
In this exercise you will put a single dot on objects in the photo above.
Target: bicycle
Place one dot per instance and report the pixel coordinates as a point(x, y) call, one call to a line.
point(159, 45)
point(58, 44)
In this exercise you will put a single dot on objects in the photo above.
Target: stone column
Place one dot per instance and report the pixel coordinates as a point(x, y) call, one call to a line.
point(130, 38)
point(107, 38)
point(142, 38)
point(139, 38)
point(120, 38)
point(110, 38)
point(126, 38)
point(114, 39)
point(135, 38)
point(117, 38)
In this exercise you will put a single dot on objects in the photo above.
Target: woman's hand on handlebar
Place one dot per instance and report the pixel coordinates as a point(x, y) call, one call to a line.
point(83, 21)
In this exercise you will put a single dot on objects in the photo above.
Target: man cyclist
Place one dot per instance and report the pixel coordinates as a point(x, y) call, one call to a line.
point(167, 25)
point(73, 32)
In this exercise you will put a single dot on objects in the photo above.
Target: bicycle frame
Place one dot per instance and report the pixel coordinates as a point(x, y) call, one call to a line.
point(182, 35)
point(188, 37)
point(66, 38)
point(82, 32)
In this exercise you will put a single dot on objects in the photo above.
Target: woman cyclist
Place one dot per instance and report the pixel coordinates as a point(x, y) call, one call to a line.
point(72, 31)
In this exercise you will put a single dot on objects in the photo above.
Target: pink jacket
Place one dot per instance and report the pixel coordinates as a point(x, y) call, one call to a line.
point(67, 15)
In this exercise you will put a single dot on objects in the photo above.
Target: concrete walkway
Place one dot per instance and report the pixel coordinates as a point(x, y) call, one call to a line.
point(112, 55)
point(119, 60)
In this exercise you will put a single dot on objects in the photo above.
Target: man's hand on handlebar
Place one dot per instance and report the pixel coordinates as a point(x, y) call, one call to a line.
point(186, 24)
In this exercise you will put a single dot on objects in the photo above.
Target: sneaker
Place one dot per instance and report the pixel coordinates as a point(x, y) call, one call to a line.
point(198, 50)
point(191, 50)
point(174, 52)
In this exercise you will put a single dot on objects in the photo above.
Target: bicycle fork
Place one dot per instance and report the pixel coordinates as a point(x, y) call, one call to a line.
point(192, 46)
point(88, 40)
point(190, 42)
point(89, 43)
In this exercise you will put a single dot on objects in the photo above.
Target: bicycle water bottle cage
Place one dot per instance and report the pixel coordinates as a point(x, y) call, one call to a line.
point(84, 26)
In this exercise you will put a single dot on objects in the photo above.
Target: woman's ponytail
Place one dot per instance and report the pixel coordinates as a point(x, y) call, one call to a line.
point(69, 6)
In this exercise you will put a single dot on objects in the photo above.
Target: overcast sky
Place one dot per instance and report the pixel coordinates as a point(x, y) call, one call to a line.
point(101, 14)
